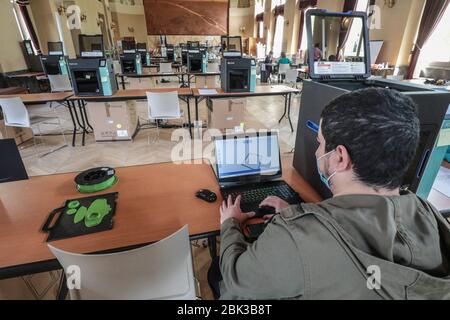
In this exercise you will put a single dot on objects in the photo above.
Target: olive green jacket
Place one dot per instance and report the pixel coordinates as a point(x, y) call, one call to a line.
point(331, 250)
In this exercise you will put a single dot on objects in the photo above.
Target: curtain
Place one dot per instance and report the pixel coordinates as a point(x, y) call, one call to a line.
point(259, 18)
point(278, 11)
point(349, 5)
point(29, 24)
point(432, 15)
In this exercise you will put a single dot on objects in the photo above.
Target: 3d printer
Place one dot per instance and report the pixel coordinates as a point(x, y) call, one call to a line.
point(94, 74)
point(342, 68)
point(196, 61)
point(130, 59)
point(145, 55)
point(238, 74)
point(55, 63)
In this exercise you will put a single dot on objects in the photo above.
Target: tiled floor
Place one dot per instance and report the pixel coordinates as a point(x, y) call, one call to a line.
point(261, 113)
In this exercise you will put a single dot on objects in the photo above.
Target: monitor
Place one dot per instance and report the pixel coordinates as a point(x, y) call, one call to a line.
point(247, 155)
point(11, 165)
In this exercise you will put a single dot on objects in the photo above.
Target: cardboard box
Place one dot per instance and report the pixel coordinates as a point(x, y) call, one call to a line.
point(206, 82)
point(113, 121)
point(20, 135)
point(226, 113)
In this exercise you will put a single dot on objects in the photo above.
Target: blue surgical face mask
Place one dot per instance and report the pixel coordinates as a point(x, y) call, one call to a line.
point(325, 180)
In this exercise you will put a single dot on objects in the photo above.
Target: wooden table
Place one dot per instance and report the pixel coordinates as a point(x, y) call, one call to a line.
point(27, 76)
point(154, 201)
point(179, 75)
point(59, 97)
point(260, 91)
point(184, 94)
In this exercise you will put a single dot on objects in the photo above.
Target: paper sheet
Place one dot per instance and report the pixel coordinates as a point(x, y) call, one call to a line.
point(442, 182)
point(207, 91)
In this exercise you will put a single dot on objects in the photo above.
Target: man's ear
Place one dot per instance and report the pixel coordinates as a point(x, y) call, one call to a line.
point(343, 161)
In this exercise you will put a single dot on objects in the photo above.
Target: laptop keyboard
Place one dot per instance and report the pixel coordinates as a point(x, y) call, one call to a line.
point(253, 196)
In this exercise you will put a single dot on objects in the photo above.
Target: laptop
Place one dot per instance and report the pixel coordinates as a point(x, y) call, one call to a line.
point(250, 165)
point(11, 165)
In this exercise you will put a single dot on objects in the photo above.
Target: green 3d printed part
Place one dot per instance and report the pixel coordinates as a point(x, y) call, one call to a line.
point(96, 212)
point(73, 205)
point(95, 180)
point(81, 214)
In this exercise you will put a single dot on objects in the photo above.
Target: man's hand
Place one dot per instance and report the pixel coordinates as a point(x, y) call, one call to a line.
point(229, 210)
point(274, 202)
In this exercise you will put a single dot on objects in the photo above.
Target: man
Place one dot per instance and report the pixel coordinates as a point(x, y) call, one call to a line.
point(269, 57)
point(370, 241)
point(317, 52)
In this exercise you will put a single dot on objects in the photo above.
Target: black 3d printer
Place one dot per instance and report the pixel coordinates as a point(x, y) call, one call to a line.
point(92, 74)
point(238, 74)
point(346, 68)
point(55, 63)
point(145, 55)
point(171, 55)
point(130, 59)
point(196, 60)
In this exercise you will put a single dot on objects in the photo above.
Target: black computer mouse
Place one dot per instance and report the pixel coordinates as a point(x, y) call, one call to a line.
point(206, 195)
point(264, 211)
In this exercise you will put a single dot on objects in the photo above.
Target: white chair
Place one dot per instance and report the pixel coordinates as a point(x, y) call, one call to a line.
point(162, 270)
point(165, 67)
point(117, 67)
point(282, 69)
point(163, 106)
point(16, 115)
point(59, 83)
point(212, 67)
point(291, 77)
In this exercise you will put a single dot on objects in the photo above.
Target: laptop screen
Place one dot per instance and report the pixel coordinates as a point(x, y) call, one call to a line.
point(247, 155)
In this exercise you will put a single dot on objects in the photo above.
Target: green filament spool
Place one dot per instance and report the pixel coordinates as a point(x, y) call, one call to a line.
point(96, 180)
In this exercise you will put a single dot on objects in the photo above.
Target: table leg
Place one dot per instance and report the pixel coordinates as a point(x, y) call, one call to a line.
point(285, 109)
point(289, 112)
point(83, 139)
point(85, 115)
point(196, 108)
point(74, 134)
point(62, 289)
point(189, 115)
point(123, 82)
point(212, 244)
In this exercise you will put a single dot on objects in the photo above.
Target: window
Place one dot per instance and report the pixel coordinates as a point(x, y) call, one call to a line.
point(278, 38)
point(437, 48)
point(261, 29)
point(354, 35)
point(259, 6)
point(277, 3)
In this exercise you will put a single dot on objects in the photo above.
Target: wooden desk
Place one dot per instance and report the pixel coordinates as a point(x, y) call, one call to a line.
point(27, 77)
point(154, 201)
point(40, 98)
point(184, 94)
point(260, 91)
point(59, 97)
point(179, 75)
